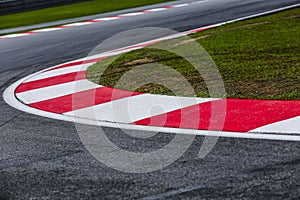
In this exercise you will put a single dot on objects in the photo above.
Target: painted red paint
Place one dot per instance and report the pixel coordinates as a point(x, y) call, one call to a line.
point(240, 116)
point(55, 80)
point(82, 99)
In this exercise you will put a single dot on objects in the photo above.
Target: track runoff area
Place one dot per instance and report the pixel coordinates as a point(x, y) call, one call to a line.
point(50, 93)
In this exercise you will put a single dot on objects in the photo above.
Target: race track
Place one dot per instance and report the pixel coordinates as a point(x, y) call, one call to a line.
point(44, 158)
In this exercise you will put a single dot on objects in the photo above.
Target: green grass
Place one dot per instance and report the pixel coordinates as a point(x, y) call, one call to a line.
point(257, 59)
point(70, 11)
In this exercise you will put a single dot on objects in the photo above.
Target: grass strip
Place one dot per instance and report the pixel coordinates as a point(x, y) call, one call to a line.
point(257, 59)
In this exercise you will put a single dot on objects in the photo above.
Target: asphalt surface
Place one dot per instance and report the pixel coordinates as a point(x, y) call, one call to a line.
point(44, 159)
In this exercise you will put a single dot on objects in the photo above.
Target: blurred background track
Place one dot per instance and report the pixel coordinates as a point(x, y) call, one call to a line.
point(15, 6)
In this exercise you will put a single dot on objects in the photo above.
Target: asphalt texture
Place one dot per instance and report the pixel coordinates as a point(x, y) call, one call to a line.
point(43, 158)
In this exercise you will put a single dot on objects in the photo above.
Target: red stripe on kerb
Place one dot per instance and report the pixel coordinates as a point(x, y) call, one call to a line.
point(93, 20)
point(55, 80)
point(29, 33)
point(203, 29)
point(82, 100)
point(82, 62)
point(240, 116)
point(61, 27)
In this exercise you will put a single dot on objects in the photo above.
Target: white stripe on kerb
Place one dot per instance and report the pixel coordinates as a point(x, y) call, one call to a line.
point(286, 126)
point(78, 24)
point(46, 93)
point(131, 14)
point(15, 35)
point(46, 30)
point(107, 18)
point(156, 9)
point(180, 5)
point(135, 108)
point(58, 72)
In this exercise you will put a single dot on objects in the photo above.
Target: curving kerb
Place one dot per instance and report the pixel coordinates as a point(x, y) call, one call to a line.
point(64, 90)
point(51, 93)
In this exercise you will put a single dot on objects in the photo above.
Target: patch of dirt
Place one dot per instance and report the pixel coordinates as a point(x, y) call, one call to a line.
point(191, 40)
point(256, 24)
point(255, 89)
point(139, 62)
point(293, 17)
